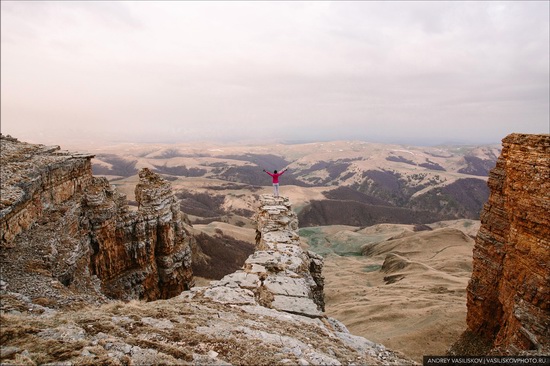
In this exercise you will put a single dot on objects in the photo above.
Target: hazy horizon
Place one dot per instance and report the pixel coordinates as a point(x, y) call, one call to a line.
point(422, 73)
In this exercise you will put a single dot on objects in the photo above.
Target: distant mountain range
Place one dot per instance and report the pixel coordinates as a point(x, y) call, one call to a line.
point(340, 182)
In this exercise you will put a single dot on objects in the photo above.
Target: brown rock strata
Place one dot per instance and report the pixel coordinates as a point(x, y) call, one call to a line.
point(509, 292)
point(33, 179)
point(68, 235)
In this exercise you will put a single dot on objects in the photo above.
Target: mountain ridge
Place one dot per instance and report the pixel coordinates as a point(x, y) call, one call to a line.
point(433, 179)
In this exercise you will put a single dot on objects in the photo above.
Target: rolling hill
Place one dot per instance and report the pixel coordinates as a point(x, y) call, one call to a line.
point(352, 182)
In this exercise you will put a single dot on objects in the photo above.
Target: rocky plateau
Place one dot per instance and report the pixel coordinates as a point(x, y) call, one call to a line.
point(99, 270)
point(72, 250)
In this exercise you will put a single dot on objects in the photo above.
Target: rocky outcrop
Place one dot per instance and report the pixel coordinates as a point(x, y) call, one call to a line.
point(69, 237)
point(268, 313)
point(279, 274)
point(181, 331)
point(35, 178)
point(509, 292)
point(141, 254)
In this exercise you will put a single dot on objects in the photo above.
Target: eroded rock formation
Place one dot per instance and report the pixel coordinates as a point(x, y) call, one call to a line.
point(67, 236)
point(141, 254)
point(271, 312)
point(509, 292)
point(35, 178)
point(279, 274)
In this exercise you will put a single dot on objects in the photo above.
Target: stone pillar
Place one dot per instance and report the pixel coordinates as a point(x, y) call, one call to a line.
point(280, 274)
point(138, 255)
point(509, 292)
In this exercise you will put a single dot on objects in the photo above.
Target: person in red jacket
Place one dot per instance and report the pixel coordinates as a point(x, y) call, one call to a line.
point(275, 176)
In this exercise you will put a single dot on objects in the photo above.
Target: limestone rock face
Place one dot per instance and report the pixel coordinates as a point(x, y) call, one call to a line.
point(189, 329)
point(33, 179)
point(509, 292)
point(68, 236)
point(143, 254)
point(279, 274)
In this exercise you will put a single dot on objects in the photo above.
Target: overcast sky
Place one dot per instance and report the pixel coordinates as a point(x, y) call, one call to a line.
point(408, 72)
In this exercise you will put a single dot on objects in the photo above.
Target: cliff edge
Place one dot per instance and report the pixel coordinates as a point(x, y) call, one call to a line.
point(70, 244)
point(69, 238)
point(279, 274)
point(509, 291)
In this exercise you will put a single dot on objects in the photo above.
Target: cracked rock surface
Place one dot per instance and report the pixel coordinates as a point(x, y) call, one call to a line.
point(70, 244)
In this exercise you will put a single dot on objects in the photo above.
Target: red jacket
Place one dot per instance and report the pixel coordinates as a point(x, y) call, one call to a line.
point(275, 176)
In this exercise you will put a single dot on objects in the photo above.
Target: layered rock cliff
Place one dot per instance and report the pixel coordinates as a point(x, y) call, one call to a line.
point(270, 312)
point(279, 274)
point(143, 254)
point(509, 292)
point(35, 178)
point(67, 236)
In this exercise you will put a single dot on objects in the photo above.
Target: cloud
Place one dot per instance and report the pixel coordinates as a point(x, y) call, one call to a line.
point(403, 71)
